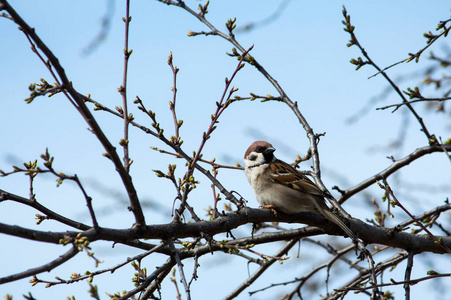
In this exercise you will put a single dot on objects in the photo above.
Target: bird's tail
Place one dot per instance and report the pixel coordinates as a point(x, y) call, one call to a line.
point(335, 219)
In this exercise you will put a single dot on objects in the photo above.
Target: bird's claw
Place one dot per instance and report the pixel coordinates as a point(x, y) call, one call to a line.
point(271, 207)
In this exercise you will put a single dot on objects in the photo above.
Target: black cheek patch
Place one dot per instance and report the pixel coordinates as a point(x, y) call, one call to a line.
point(252, 157)
point(268, 156)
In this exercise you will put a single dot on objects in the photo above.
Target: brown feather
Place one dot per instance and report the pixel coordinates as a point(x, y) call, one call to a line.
point(284, 174)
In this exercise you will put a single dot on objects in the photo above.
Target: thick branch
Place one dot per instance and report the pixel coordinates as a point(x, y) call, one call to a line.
point(369, 234)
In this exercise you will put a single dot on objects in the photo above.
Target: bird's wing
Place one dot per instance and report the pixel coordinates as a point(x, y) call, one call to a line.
point(283, 173)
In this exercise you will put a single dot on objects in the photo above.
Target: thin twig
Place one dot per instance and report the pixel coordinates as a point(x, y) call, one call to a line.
point(221, 105)
point(88, 202)
point(78, 102)
point(350, 29)
point(210, 162)
point(313, 138)
point(301, 281)
point(46, 63)
point(177, 148)
point(372, 272)
point(89, 275)
point(174, 280)
point(196, 266)
point(284, 250)
point(389, 192)
point(123, 89)
point(156, 284)
point(408, 274)
point(442, 145)
point(215, 195)
point(416, 56)
point(32, 169)
point(4, 195)
point(176, 255)
point(410, 282)
point(392, 169)
point(339, 253)
point(44, 268)
point(177, 123)
point(414, 101)
point(147, 285)
point(355, 284)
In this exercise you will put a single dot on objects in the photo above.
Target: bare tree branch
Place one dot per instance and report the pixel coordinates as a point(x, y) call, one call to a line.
point(123, 89)
point(367, 233)
point(408, 274)
point(152, 282)
point(177, 148)
point(84, 111)
point(185, 241)
point(391, 169)
point(175, 253)
point(350, 29)
point(266, 264)
point(4, 195)
point(355, 283)
point(44, 268)
point(414, 101)
point(431, 39)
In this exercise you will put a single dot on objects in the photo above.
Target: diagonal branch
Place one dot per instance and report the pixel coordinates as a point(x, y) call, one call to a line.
point(283, 251)
point(414, 101)
point(392, 169)
point(135, 206)
point(350, 29)
point(389, 193)
point(355, 284)
point(4, 195)
point(157, 276)
point(175, 147)
point(44, 268)
point(337, 255)
point(176, 254)
point(431, 39)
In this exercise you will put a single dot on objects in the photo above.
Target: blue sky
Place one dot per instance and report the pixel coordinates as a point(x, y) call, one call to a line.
point(304, 49)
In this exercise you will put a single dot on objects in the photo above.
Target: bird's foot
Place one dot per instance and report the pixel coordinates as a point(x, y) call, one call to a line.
point(271, 207)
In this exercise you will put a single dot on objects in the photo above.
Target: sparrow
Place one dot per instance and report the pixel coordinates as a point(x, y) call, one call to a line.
point(279, 186)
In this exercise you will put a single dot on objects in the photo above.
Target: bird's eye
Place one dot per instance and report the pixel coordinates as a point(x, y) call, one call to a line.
point(260, 149)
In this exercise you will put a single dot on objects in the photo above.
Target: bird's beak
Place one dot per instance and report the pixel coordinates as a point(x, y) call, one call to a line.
point(270, 150)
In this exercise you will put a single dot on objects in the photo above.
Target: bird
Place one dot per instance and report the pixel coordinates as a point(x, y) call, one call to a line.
point(277, 185)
